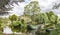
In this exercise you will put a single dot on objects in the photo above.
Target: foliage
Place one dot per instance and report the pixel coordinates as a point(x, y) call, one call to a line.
point(48, 19)
point(3, 23)
point(13, 17)
point(18, 26)
point(32, 8)
point(5, 5)
point(46, 23)
point(2, 5)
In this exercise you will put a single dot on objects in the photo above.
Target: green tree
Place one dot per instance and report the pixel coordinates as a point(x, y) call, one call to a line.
point(16, 26)
point(52, 17)
point(5, 5)
point(32, 8)
point(3, 23)
point(2, 5)
point(13, 17)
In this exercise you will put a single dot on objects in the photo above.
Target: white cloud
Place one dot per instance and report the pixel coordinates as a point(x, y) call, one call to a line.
point(46, 4)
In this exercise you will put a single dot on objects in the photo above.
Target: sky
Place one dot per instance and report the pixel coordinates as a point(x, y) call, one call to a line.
point(45, 5)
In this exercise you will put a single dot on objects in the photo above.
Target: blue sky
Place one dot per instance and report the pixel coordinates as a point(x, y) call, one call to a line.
point(45, 5)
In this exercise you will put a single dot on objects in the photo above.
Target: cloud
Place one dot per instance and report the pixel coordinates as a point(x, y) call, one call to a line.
point(46, 4)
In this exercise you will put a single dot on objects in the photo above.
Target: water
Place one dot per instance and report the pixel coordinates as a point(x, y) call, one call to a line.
point(7, 30)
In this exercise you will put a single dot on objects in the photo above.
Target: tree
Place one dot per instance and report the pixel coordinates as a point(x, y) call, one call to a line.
point(16, 26)
point(52, 17)
point(5, 5)
point(56, 6)
point(32, 8)
point(3, 23)
point(13, 17)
